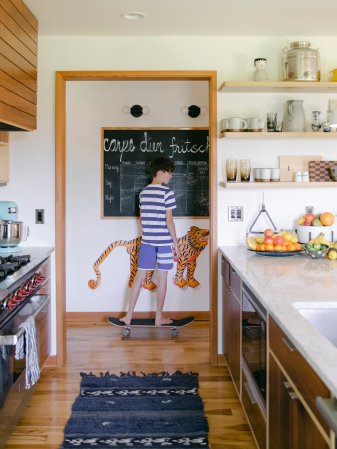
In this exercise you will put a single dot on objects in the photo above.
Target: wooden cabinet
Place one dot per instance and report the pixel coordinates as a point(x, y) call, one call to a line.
point(18, 59)
point(294, 422)
point(231, 292)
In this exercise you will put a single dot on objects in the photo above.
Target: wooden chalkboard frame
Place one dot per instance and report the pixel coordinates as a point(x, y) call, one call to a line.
point(116, 161)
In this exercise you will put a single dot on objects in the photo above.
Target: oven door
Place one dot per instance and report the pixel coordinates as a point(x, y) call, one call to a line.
point(13, 394)
point(254, 341)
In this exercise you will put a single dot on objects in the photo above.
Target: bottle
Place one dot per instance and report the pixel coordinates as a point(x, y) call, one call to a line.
point(305, 176)
point(299, 177)
point(316, 124)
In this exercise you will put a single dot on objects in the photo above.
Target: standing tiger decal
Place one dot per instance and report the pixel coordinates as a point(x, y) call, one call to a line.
point(190, 246)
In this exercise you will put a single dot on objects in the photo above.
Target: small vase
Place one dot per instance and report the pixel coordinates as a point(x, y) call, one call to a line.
point(316, 124)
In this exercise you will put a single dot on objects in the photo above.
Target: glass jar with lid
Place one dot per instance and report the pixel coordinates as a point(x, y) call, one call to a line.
point(300, 62)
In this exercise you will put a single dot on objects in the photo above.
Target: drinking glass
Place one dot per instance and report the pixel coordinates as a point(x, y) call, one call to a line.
point(271, 121)
point(245, 170)
point(231, 170)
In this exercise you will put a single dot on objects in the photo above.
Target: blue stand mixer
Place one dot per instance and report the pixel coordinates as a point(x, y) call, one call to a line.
point(12, 232)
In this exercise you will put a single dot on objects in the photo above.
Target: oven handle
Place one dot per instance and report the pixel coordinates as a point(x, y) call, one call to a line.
point(11, 340)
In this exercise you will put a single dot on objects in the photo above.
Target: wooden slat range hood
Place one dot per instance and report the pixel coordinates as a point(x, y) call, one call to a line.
point(18, 66)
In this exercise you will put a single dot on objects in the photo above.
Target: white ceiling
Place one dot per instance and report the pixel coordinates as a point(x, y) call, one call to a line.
point(186, 17)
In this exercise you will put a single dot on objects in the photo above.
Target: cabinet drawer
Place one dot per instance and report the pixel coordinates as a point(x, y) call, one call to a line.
point(225, 270)
point(235, 282)
point(254, 413)
point(298, 369)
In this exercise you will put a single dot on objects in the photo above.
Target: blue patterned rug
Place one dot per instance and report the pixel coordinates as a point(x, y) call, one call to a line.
point(158, 410)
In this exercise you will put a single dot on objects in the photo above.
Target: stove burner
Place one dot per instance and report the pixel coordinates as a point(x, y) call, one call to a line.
point(10, 264)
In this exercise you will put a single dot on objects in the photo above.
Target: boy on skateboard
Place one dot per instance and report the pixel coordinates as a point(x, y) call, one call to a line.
point(157, 202)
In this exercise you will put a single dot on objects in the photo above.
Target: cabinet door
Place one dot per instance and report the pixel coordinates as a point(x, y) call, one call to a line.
point(290, 425)
point(225, 318)
point(231, 323)
point(233, 338)
point(4, 163)
point(42, 322)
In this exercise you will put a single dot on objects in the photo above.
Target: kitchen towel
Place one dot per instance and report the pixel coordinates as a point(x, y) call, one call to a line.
point(27, 346)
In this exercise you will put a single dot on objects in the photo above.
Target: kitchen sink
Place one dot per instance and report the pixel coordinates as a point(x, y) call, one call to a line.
point(323, 319)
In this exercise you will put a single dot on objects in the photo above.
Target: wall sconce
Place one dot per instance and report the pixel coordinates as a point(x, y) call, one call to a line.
point(136, 110)
point(193, 111)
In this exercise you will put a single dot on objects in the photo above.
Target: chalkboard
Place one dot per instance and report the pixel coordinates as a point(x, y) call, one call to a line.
point(125, 157)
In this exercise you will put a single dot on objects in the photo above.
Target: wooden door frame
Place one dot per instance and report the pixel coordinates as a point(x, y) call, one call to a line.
point(60, 187)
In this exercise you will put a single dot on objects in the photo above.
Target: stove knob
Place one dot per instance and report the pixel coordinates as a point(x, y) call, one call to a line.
point(11, 303)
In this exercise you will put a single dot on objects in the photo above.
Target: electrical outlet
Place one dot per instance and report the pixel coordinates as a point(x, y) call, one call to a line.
point(39, 216)
point(235, 213)
point(309, 209)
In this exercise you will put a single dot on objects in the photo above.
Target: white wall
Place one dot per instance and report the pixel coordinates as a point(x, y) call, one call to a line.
point(32, 154)
point(90, 106)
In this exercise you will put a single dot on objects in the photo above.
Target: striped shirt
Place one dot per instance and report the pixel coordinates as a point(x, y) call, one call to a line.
point(155, 199)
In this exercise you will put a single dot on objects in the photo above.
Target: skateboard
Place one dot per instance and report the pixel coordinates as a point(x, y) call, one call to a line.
point(147, 322)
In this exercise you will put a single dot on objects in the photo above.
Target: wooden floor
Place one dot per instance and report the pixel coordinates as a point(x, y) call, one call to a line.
point(99, 348)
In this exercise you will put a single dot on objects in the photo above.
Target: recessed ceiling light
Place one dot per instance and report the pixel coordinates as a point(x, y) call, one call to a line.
point(133, 16)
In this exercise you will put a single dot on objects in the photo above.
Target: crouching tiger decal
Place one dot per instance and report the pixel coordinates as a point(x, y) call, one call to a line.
point(190, 246)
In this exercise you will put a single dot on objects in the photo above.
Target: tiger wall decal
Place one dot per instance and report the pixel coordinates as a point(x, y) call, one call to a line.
point(190, 246)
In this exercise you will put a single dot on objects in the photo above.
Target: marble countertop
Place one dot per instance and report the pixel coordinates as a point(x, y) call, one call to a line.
point(284, 284)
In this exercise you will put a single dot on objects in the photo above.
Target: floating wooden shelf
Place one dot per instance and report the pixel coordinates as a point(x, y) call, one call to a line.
point(281, 135)
point(275, 185)
point(278, 86)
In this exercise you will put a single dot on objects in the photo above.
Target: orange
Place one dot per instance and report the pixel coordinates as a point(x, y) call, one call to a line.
point(291, 247)
point(270, 247)
point(262, 247)
point(327, 219)
point(298, 246)
point(278, 248)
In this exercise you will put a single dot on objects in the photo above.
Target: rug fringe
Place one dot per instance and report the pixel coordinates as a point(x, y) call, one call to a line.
point(134, 374)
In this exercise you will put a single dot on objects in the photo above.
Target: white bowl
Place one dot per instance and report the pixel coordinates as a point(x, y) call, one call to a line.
point(306, 233)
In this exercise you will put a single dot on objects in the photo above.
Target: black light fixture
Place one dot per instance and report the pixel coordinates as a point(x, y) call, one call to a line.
point(193, 110)
point(136, 110)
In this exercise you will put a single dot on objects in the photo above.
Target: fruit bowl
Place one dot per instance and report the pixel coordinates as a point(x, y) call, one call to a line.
point(316, 253)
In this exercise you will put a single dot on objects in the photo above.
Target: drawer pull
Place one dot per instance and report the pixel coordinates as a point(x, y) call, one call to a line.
point(293, 395)
point(328, 410)
point(250, 393)
point(289, 344)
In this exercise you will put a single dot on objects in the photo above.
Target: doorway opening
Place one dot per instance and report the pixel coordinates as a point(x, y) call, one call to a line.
point(60, 162)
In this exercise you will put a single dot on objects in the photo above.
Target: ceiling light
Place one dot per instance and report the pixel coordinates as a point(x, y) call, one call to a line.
point(133, 16)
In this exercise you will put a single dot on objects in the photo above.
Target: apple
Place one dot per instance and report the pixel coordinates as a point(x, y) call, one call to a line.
point(306, 223)
point(268, 241)
point(309, 217)
point(268, 233)
point(279, 240)
point(316, 222)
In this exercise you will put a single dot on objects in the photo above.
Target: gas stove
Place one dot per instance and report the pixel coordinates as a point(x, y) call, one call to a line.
point(20, 279)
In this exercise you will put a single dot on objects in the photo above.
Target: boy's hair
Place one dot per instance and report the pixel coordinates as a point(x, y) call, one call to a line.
point(160, 163)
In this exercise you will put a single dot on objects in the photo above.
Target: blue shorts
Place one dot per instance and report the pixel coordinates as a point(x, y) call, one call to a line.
point(149, 255)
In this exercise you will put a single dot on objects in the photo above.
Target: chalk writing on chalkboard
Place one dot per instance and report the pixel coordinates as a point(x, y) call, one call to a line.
point(125, 156)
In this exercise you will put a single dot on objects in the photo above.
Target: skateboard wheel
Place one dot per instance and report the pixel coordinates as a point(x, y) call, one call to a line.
point(126, 332)
point(174, 332)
